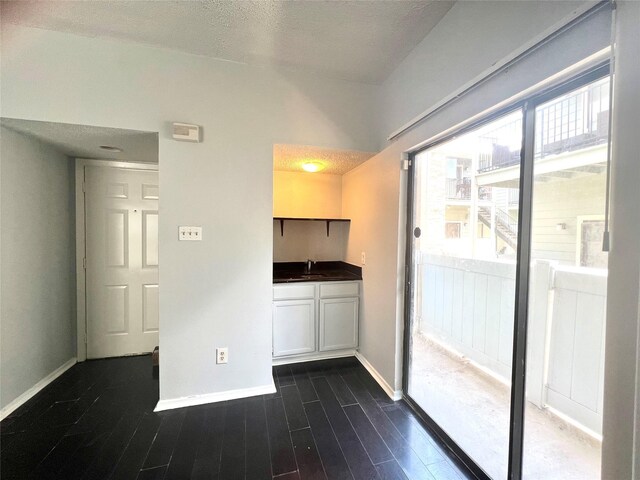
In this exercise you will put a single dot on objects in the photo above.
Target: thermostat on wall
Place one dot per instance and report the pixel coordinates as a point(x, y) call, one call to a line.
point(186, 132)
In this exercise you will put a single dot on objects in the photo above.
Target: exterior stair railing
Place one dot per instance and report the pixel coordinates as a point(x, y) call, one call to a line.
point(506, 226)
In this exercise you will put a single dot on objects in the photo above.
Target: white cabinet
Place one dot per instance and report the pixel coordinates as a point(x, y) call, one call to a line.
point(338, 323)
point(314, 317)
point(345, 289)
point(294, 325)
point(295, 291)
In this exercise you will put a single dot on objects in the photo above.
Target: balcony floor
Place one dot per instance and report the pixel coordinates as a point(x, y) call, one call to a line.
point(473, 408)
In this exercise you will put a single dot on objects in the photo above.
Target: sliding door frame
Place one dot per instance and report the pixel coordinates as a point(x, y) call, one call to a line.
point(518, 374)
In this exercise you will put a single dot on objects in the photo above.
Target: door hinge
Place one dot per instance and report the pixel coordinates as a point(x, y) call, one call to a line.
point(85, 337)
point(84, 263)
point(84, 186)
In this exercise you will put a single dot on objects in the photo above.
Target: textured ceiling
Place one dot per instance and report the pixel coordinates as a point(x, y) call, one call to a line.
point(356, 40)
point(82, 141)
point(289, 158)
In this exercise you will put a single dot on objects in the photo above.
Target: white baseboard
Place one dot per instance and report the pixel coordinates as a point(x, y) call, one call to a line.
point(18, 402)
point(214, 397)
point(313, 357)
point(394, 395)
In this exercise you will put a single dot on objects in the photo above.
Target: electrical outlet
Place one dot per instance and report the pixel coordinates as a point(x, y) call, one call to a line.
point(222, 355)
point(363, 258)
point(189, 234)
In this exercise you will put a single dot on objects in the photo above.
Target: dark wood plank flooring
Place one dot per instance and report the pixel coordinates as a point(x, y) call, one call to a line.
point(327, 420)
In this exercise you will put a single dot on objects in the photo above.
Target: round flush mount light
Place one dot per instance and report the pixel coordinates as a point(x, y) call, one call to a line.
point(109, 148)
point(312, 167)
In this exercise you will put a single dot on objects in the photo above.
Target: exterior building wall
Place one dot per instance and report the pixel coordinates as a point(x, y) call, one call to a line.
point(565, 202)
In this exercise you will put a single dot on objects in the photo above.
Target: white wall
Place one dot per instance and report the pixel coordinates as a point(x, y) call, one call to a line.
point(370, 197)
point(307, 195)
point(309, 240)
point(216, 292)
point(37, 238)
point(471, 38)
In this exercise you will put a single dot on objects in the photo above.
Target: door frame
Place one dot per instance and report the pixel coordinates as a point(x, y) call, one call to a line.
point(81, 232)
point(517, 395)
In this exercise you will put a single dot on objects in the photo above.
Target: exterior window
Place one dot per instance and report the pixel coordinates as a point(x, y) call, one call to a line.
point(452, 230)
point(591, 254)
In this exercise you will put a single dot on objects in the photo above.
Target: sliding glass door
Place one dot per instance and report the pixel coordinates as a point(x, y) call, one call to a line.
point(568, 286)
point(464, 249)
point(496, 270)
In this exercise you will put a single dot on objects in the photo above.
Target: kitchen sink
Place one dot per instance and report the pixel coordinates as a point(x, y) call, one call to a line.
point(319, 275)
point(292, 277)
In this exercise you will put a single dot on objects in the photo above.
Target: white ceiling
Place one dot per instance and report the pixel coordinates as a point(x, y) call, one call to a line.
point(289, 158)
point(355, 40)
point(82, 141)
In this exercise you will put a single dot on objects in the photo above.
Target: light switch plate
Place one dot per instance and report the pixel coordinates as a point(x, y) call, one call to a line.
point(189, 234)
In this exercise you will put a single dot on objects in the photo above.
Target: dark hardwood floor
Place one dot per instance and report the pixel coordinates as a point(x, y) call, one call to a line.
point(328, 419)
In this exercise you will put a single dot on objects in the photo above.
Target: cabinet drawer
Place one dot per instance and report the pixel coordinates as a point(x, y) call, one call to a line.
point(347, 289)
point(294, 292)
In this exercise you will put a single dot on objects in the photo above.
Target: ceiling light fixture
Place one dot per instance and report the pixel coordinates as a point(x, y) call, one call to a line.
point(109, 148)
point(312, 167)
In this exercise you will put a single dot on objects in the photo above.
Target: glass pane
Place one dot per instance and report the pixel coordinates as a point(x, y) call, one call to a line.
point(563, 416)
point(466, 205)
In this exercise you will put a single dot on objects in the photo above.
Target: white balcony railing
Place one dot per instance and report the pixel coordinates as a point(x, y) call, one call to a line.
point(468, 306)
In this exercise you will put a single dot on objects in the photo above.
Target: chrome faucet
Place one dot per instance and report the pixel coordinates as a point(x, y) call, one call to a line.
point(309, 263)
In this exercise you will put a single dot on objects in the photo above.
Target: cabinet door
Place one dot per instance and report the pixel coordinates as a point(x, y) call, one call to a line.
point(294, 327)
point(338, 323)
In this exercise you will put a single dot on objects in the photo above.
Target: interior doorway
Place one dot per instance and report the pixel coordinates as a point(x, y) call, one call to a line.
point(123, 168)
point(121, 258)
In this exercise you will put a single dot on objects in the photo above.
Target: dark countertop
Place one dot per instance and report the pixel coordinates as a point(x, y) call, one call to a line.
point(290, 272)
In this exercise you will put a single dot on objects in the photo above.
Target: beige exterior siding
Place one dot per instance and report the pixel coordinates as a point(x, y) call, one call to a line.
point(564, 201)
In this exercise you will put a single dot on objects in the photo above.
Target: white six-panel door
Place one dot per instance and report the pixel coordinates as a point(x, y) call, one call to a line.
point(121, 208)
